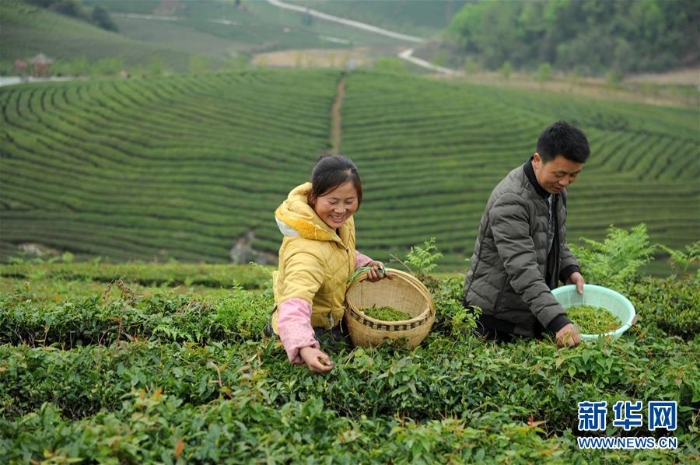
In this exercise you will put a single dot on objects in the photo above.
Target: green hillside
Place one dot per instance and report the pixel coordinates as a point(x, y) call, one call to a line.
point(252, 27)
point(184, 167)
point(421, 17)
point(26, 30)
point(592, 37)
point(217, 30)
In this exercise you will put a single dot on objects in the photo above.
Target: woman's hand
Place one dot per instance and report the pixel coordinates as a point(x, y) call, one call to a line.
point(377, 271)
point(317, 360)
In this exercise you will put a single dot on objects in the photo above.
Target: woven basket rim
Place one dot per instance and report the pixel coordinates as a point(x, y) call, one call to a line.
point(421, 319)
point(415, 322)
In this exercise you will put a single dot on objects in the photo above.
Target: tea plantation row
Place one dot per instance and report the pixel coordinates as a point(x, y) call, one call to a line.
point(155, 367)
point(186, 167)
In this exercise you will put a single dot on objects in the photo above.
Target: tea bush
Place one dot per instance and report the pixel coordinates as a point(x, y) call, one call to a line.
point(244, 314)
point(72, 324)
point(156, 427)
point(148, 274)
point(99, 320)
point(672, 304)
point(137, 375)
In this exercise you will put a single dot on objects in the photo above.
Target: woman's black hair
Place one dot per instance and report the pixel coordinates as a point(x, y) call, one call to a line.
point(330, 172)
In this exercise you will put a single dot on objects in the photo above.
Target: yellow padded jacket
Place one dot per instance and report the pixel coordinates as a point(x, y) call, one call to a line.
point(315, 262)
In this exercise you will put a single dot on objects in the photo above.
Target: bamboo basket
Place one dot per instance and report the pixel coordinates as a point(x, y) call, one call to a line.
point(403, 292)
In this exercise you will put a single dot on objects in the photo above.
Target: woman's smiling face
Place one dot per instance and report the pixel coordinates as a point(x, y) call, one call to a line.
point(335, 207)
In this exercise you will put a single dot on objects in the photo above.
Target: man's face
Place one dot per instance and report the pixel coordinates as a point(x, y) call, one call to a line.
point(554, 176)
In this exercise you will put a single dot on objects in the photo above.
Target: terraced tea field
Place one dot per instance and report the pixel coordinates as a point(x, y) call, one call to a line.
point(184, 167)
point(426, 18)
point(26, 30)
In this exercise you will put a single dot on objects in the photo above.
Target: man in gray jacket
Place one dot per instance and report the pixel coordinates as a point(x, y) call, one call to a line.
point(521, 253)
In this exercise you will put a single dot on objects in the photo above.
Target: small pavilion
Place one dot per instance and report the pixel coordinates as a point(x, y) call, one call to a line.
point(41, 66)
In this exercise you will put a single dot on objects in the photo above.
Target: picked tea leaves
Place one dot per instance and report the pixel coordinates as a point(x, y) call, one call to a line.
point(593, 320)
point(386, 314)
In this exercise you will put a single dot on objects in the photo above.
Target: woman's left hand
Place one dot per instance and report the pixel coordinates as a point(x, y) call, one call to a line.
point(377, 271)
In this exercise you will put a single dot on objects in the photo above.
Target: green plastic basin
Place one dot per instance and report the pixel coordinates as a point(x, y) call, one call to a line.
point(598, 296)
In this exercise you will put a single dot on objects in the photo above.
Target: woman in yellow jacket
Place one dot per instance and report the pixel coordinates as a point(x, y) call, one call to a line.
point(317, 259)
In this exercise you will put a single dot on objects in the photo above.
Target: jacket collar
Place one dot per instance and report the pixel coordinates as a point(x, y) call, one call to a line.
point(530, 173)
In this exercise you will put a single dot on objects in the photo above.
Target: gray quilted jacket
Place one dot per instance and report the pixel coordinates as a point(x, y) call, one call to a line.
point(511, 273)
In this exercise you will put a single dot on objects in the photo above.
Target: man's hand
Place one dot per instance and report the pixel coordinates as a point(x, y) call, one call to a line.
point(568, 336)
point(377, 271)
point(576, 278)
point(317, 360)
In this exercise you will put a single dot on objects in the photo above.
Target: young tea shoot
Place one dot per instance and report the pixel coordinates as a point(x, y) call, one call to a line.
point(593, 320)
point(386, 314)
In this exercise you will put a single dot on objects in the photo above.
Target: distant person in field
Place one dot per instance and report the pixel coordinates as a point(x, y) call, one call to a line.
point(521, 253)
point(21, 67)
point(316, 260)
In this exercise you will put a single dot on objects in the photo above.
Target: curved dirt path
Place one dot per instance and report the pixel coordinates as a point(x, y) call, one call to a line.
point(337, 117)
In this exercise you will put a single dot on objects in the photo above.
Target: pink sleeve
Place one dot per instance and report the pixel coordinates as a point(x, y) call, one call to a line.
point(295, 329)
point(361, 260)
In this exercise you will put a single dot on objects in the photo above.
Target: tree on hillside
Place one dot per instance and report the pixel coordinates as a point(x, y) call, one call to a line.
point(74, 8)
point(595, 35)
point(101, 18)
point(41, 3)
